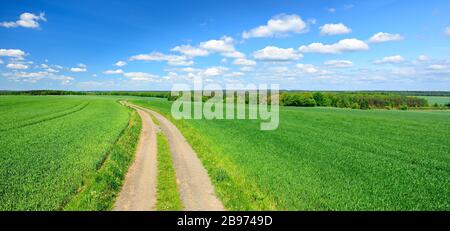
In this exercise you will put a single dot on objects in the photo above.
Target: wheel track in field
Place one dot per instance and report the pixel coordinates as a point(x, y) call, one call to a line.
point(50, 117)
point(196, 190)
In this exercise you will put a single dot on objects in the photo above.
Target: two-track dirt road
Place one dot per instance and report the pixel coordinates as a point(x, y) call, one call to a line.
point(196, 190)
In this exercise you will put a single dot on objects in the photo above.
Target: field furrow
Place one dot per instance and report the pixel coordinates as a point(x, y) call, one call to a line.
point(21, 124)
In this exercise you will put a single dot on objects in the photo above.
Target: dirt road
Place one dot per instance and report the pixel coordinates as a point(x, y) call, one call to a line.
point(139, 191)
point(196, 190)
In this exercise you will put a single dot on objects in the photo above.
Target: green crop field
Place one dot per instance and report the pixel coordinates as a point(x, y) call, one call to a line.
point(326, 159)
point(51, 147)
point(72, 153)
point(441, 100)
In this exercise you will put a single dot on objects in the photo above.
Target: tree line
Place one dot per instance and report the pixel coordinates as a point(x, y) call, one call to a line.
point(43, 92)
point(352, 100)
point(341, 99)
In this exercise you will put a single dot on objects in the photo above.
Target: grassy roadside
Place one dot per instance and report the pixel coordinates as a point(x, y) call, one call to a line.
point(232, 186)
point(168, 198)
point(99, 191)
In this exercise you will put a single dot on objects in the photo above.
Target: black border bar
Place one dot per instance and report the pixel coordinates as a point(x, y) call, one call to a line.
point(279, 219)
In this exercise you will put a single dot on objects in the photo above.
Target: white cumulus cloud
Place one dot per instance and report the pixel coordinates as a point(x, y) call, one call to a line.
point(224, 45)
point(80, 68)
point(140, 76)
point(307, 68)
point(52, 70)
point(214, 71)
point(113, 72)
point(390, 59)
point(244, 62)
point(334, 29)
point(12, 53)
point(174, 60)
point(345, 45)
point(339, 63)
point(278, 25)
point(381, 37)
point(27, 20)
point(62, 78)
point(120, 63)
point(190, 51)
point(19, 66)
point(438, 67)
point(33, 77)
point(276, 54)
point(423, 58)
point(234, 54)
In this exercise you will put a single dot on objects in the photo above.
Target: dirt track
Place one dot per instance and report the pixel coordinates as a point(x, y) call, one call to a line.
point(196, 190)
point(139, 190)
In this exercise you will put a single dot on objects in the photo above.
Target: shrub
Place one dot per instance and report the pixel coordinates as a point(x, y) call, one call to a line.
point(309, 102)
point(322, 99)
point(403, 107)
point(355, 106)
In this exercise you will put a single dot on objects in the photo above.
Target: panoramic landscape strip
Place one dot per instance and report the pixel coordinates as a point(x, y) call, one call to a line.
point(224, 114)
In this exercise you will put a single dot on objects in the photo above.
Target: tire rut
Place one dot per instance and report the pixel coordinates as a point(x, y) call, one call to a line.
point(139, 190)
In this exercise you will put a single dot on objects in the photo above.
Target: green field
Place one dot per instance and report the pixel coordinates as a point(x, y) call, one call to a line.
point(441, 100)
point(53, 146)
point(99, 191)
point(326, 159)
point(72, 152)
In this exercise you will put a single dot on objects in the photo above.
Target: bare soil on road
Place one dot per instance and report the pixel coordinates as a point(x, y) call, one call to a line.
point(139, 190)
point(196, 190)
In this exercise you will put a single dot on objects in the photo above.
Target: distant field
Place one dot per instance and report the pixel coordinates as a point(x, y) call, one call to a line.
point(441, 100)
point(326, 159)
point(50, 146)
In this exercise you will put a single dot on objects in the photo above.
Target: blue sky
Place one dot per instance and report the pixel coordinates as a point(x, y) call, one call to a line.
point(308, 45)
